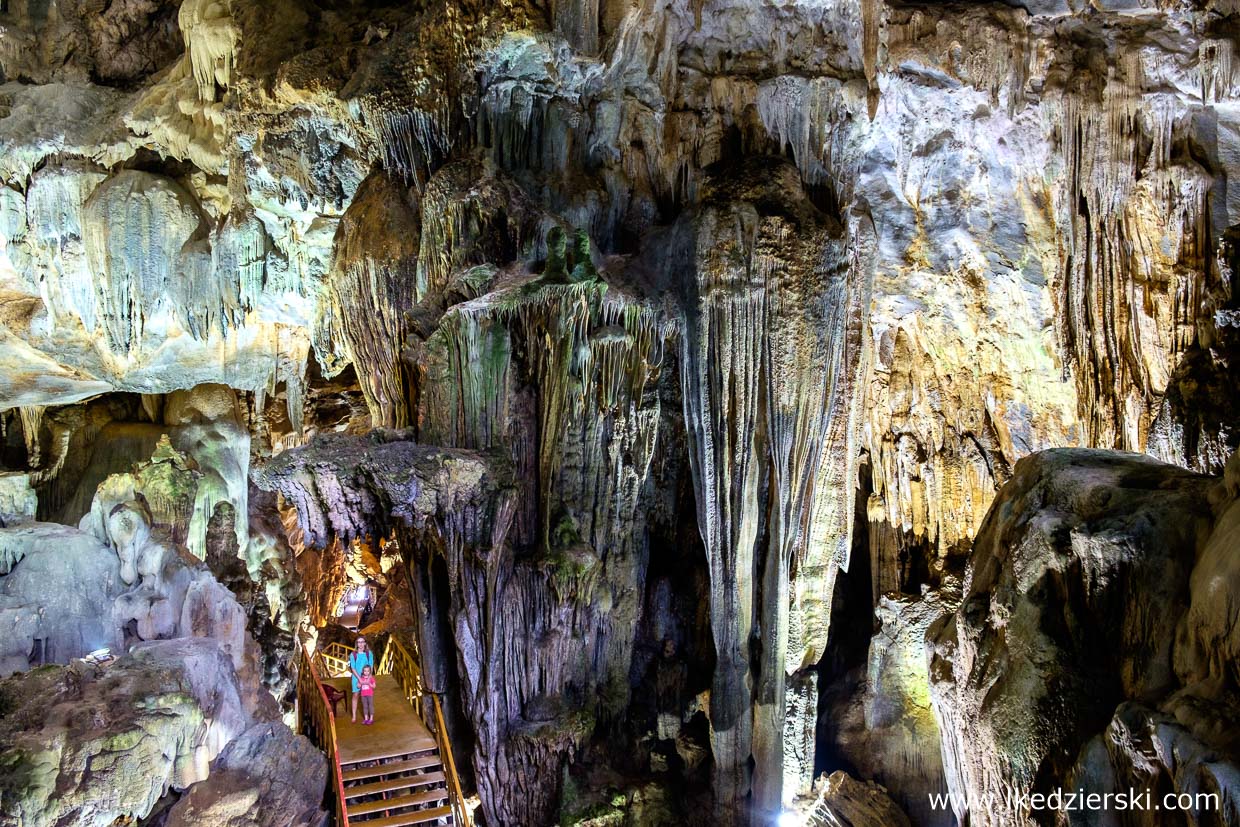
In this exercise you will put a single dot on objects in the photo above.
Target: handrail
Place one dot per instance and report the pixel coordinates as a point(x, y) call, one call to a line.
point(398, 661)
point(455, 798)
point(335, 658)
point(316, 711)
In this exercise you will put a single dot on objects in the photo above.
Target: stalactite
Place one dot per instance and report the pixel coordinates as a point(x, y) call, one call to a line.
point(721, 363)
point(530, 103)
point(54, 219)
point(295, 394)
point(587, 355)
point(136, 225)
point(210, 40)
point(463, 393)
point(369, 319)
point(471, 215)
point(205, 299)
point(771, 357)
point(32, 426)
point(871, 34)
point(412, 142)
point(1135, 267)
point(813, 119)
point(372, 288)
point(578, 22)
point(242, 247)
point(994, 52)
point(1220, 75)
point(817, 298)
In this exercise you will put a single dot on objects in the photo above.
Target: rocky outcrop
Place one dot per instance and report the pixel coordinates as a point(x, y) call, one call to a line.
point(87, 743)
point(58, 587)
point(352, 487)
point(18, 501)
point(1076, 659)
point(266, 777)
point(83, 744)
point(843, 801)
point(887, 729)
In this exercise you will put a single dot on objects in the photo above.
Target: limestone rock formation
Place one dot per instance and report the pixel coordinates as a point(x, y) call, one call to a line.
point(81, 744)
point(265, 777)
point(888, 731)
point(627, 332)
point(58, 588)
point(18, 500)
point(1069, 663)
point(89, 743)
point(846, 802)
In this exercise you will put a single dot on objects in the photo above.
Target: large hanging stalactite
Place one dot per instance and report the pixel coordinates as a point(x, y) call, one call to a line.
point(371, 289)
point(773, 345)
point(135, 225)
point(1137, 270)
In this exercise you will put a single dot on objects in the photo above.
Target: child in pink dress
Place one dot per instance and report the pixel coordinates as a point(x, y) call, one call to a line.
point(366, 687)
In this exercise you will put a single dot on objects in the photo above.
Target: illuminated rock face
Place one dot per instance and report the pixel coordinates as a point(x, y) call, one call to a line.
point(1083, 655)
point(733, 294)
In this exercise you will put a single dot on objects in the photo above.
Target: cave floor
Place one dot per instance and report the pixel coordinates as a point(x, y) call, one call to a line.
point(397, 729)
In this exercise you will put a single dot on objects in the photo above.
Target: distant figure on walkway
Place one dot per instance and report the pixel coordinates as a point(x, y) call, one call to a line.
point(367, 684)
point(368, 610)
point(358, 661)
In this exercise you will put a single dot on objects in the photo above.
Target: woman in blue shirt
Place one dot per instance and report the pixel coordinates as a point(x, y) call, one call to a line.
point(358, 661)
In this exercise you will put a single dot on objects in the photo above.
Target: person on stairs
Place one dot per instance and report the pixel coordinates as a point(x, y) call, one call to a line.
point(367, 684)
point(358, 661)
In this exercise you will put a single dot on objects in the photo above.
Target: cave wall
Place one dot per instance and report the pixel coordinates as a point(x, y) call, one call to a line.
point(751, 242)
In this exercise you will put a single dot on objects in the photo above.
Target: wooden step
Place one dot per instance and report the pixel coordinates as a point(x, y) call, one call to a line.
point(416, 817)
point(397, 802)
point(411, 747)
point(410, 781)
point(421, 762)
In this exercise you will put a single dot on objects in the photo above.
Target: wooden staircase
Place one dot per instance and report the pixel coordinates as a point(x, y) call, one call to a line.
point(407, 789)
point(397, 773)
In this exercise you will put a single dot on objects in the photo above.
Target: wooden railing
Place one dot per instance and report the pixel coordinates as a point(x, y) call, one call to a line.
point(318, 723)
point(460, 812)
point(335, 659)
point(398, 661)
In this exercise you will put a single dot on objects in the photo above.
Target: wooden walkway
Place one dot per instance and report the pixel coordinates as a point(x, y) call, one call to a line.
point(397, 728)
point(397, 772)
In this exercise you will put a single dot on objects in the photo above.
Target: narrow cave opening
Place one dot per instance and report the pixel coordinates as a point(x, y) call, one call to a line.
point(440, 660)
point(13, 453)
point(38, 652)
point(842, 669)
point(131, 636)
